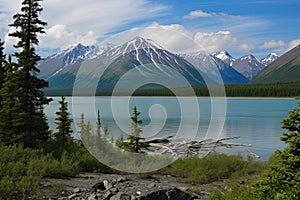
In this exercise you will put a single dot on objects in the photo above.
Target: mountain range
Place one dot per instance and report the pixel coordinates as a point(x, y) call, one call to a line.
point(146, 61)
point(285, 69)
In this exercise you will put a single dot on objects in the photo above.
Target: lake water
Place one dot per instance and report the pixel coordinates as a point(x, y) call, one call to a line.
point(256, 121)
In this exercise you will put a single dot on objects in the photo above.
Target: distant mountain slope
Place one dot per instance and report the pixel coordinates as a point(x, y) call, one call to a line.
point(208, 64)
point(285, 69)
point(60, 69)
point(248, 65)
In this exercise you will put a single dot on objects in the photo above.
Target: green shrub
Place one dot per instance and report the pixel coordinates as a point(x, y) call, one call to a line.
point(7, 187)
point(22, 169)
point(212, 168)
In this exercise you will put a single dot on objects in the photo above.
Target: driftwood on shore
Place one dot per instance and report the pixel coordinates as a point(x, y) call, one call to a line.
point(194, 148)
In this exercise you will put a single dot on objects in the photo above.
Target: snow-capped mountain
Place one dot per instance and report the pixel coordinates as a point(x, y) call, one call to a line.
point(248, 65)
point(71, 59)
point(224, 56)
point(269, 59)
point(213, 67)
point(105, 48)
point(78, 51)
point(150, 62)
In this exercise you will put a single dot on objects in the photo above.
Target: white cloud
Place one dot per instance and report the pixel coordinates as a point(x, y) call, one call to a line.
point(82, 21)
point(273, 44)
point(197, 14)
point(246, 47)
point(59, 36)
point(292, 44)
point(201, 14)
point(176, 38)
point(216, 41)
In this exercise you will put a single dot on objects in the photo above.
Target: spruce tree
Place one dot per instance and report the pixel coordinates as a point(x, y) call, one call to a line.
point(63, 122)
point(29, 121)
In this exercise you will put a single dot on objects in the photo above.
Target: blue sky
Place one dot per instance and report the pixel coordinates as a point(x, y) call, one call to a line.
point(240, 27)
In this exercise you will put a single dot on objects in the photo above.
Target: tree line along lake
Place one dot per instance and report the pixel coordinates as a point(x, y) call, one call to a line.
point(255, 120)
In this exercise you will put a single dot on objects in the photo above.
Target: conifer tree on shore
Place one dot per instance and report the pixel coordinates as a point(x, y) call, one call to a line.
point(63, 122)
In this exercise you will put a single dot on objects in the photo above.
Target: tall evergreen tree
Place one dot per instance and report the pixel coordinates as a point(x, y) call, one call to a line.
point(29, 121)
point(134, 138)
point(63, 122)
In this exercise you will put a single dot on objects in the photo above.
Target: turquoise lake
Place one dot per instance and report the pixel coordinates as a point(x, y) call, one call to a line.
point(255, 121)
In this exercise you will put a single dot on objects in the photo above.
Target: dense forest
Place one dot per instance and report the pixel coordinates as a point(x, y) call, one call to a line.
point(245, 90)
point(249, 90)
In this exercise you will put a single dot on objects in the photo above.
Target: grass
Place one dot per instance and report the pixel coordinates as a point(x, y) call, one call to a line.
point(21, 170)
point(213, 168)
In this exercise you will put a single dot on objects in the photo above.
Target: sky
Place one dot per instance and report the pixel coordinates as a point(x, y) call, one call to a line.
point(239, 27)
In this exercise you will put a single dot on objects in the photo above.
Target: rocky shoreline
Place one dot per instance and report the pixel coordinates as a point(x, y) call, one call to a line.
point(120, 187)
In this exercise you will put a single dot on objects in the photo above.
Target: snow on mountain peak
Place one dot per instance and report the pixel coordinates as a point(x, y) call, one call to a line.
point(269, 59)
point(142, 43)
point(223, 55)
point(134, 45)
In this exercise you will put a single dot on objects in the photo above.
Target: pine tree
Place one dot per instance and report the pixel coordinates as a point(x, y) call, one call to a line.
point(134, 143)
point(63, 122)
point(29, 121)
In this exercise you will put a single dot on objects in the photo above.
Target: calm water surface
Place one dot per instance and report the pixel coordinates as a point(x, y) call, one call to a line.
point(256, 121)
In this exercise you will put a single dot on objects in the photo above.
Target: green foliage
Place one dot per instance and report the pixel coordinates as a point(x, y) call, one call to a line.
point(212, 168)
point(63, 122)
point(58, 187)
point(234, 191)
point(22, 169)
point(282, 178)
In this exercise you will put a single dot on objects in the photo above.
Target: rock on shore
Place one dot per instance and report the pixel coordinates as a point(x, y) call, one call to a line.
point(118, 187)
